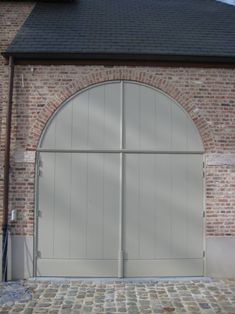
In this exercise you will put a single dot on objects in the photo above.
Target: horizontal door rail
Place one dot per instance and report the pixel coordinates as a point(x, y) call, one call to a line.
point(118, 151)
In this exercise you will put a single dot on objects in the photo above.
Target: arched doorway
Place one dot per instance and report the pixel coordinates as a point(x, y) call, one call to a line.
point(120, 186)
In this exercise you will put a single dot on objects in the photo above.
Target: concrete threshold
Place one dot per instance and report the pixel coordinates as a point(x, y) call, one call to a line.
point(127, 279)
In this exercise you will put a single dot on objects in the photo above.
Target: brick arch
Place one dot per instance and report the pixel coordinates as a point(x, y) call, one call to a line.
point(122, 74)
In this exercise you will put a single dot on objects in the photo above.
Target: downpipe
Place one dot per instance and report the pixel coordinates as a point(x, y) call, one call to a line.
point(5, 224)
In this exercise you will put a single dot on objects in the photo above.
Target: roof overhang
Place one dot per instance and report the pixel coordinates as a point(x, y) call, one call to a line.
point(52, 56)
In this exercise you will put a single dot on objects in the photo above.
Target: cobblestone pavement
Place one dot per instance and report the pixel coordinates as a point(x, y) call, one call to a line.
point(194, 296)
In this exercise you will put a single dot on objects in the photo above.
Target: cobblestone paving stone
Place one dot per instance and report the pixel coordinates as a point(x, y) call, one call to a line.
point(194, 296)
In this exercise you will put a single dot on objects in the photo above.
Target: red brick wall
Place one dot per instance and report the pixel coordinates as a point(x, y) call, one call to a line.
point(221, 200)
point(208, 94)
point(12, 16)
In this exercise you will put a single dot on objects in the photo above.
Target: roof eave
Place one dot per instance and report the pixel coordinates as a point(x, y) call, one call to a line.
point(118, 57)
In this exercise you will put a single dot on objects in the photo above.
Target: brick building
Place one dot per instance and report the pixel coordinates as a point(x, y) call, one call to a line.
point(158, 78)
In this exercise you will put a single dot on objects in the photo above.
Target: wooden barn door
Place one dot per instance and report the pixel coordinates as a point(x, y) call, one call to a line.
point(120, 186)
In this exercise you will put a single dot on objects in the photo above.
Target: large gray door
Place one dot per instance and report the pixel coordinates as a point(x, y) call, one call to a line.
point(163, 223)
point(120, 186)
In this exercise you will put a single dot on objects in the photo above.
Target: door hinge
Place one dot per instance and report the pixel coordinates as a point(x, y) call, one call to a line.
point(203, 169)
point(39, 166)
point(204, 214)
point(39, 213)
point(39, 161)
point(204, 253)
point(39, 173)
point(39, 254)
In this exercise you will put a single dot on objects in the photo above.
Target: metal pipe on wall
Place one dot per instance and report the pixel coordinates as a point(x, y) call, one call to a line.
point(6, 171)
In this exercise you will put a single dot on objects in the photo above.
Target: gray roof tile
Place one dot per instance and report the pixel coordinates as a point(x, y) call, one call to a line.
point(150, 27)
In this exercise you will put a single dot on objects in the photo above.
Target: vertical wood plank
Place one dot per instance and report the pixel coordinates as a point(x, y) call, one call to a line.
point(132, 116)
point(62, 205)
point(46, 187)
point(147, 207)
point(195, 206)
point(163, 205)
point(96, 117)
point(163, 112)
point(179, 206)
point(111, 205)
point(78, 206)
point(147, 118)
point(80, 121)
point(112, 115)
point(95, 206)
point(131, 206)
